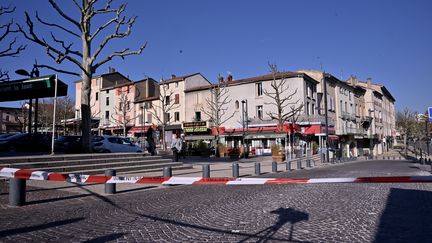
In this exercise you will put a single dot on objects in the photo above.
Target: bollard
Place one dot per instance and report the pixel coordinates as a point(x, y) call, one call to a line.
point(17, 192)
point(257, 168)
point(167, 171)
point(274, 167)
point(235, 170)
point(110, 188)
point(288, 165)
point(206, 171)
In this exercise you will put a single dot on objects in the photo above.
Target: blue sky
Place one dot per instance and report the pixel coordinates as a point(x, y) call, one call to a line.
point(388, 41)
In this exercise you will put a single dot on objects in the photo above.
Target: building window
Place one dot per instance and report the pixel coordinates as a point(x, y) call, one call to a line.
point(341, 107)
point(237, 104)
point(259, 111)
point(259, 89)
point(167, 117)
point(177, 99)
point(128, 105)
point(107, 91)
point(198, 116)
point(97, 95)
point(106, 115)
point(176, 84)
point(346, 106)
point(107, 101)
point(167, 100)
point(177, 116)
point(313, 109)
point(128, 89)
point(307, 108)
point(149, 118)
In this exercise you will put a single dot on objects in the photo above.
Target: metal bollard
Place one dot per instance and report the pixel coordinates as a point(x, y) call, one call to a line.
point(17, 192)
point(110, 188)
point(206, 171)
point(235, 170)
point(274, 167)
point(167, 171)
point(257, 168)
point(288, 165)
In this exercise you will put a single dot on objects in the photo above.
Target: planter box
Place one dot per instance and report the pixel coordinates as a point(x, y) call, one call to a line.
point(278, 158)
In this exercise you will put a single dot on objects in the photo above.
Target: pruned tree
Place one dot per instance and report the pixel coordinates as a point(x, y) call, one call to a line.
point(65, 109)
point(161, 108)
point(407, 125)
point(287, 109)
point(217, 107)
point(87, 60)
point(123, 111)
point(9, 48)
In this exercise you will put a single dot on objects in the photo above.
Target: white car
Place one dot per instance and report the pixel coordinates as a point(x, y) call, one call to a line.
point(114, 144)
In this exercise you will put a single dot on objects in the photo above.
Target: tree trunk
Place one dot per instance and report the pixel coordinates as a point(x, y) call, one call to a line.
point(163, 137)
point(124, 130)
point(86, 113)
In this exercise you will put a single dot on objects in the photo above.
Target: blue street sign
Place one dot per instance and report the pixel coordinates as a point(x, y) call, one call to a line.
point(430, 113)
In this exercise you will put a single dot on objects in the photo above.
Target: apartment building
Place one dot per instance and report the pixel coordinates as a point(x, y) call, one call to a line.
point(379, 122)
point(13, 119)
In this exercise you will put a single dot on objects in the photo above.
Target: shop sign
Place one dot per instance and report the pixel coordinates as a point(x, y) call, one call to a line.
point(195, 129)
point(195, 124)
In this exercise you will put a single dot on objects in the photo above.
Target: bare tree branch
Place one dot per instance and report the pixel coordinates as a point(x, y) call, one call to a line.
point(58, 70)
point(57, 26)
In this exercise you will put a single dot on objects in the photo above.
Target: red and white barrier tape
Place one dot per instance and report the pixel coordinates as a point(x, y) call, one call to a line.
point(51, 176)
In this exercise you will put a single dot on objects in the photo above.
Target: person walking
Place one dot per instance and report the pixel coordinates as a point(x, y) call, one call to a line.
point(151, 141)
point(176, 147)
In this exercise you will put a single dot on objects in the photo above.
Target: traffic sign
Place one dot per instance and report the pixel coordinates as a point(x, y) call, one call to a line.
point(430, 113)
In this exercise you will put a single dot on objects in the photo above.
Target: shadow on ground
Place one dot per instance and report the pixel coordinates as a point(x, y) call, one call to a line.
point(406, 217)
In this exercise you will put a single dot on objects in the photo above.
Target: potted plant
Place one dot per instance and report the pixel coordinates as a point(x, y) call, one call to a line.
point(222, 150)
point(277, 154)
point(234, 153)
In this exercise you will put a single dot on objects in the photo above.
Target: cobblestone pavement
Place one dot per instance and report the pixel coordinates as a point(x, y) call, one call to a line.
point(265, 213)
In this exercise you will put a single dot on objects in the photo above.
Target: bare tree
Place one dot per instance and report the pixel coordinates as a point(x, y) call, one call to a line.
point(161, 108)
point(87, 60)
point(216, 107)
point(65, 110)
point(123, 111)
point(281, 97)
point(407, 125)
point(11, 50)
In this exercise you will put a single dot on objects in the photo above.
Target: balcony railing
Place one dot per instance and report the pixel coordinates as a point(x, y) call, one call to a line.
point(315, 118)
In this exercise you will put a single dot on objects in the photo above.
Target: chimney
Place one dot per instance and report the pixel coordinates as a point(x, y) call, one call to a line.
point(111, 70)
point(173, 76)
point(229, 78)
point(369, 83)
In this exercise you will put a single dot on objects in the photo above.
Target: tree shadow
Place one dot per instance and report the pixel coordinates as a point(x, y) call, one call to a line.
point(406, 217)
point(22, 230)
point(285, 215)
point(105, 238)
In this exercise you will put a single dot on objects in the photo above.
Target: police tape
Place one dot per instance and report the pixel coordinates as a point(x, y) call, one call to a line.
point(175, 180)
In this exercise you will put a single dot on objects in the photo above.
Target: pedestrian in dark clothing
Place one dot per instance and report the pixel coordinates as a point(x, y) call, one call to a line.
point(150, 141)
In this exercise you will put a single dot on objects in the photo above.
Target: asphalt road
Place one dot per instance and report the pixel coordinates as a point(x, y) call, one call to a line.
point(265, 213)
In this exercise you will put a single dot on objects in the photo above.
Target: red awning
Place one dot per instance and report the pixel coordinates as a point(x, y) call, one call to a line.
point(139, 129)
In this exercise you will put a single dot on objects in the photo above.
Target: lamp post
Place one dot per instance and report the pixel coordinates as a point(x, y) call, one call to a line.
point(54, 115)
point(427, 131)
point(371, 132)
point(143, 123)
point(243, 124)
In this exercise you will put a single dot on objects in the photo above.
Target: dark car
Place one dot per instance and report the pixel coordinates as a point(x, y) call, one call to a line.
point(68, 144)
point(26, 142)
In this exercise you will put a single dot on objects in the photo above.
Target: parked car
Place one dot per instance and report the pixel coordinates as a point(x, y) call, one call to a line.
point(5, 135)
point(114, 144)
point(68, 144)
point(26, 142)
